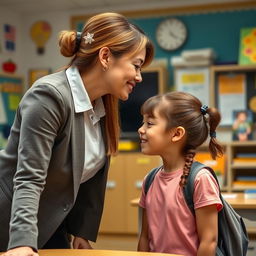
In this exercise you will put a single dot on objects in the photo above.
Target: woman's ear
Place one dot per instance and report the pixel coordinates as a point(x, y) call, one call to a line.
point(104, 57)
point(178, 133)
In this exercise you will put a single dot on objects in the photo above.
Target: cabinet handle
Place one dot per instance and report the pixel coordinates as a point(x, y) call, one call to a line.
point(138, 184)
point(111, 184)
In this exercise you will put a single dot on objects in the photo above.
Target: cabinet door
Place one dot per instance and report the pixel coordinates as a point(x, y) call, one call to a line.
point(113, 219)
point(137, 166)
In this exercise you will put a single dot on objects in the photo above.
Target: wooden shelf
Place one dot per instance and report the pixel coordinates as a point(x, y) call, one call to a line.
point(251, 230)
point(242, 188)
point(231, 68)
point(243, 166)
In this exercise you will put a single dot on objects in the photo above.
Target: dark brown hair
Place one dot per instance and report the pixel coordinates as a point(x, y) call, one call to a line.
point(114, 31)
point(184, 109)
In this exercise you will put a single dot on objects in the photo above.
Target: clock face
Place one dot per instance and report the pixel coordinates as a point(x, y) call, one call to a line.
point(171, 34)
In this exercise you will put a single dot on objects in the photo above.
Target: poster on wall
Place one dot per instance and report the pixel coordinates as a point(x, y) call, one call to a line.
point(231, 96)
point(247, 54)
point(37, 73)
point(194, 81)
point(3, 118)
point(11, 91)
point(40, 33)
point(9, 38)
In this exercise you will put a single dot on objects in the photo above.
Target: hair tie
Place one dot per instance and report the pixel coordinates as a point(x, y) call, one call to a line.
point(213, 134)
point(78, 41)
point(204, 109)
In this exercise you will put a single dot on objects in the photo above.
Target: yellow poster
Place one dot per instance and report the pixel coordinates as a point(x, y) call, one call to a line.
point(247, 46)
point(231, 83)
point(231, 96)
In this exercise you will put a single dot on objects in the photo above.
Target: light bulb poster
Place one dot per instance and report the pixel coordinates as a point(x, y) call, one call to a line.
point(40, 33)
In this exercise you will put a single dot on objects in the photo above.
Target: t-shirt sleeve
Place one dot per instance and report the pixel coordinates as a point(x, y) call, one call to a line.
point(206, 190)
point(142, 201)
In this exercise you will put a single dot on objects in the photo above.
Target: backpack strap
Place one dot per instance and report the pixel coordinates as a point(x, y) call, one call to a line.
point(150, 177)
point(189, 187)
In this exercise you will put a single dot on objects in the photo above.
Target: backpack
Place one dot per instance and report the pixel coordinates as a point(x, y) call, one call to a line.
point(232, 235)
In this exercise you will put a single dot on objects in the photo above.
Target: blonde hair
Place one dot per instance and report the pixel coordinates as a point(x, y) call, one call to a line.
point(114, 31)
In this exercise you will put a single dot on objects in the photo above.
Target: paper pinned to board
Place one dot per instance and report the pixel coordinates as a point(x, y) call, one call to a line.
point(3, 118)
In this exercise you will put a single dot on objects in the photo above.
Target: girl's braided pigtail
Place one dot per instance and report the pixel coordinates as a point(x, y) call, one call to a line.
point(189, 157)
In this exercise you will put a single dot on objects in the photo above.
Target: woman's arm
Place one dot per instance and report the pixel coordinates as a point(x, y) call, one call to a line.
point(207, 228)
point(39, 118)
point(80, 243)
point(143, 244)
point(21, 251)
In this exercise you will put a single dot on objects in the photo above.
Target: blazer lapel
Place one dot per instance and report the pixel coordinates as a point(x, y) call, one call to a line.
point(78, 140)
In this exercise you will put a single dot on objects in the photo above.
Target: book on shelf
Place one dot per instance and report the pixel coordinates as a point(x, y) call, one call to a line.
point(246, 155)
point(244, 184)
point(243, 160)
point(250, 193)
point(245, 178)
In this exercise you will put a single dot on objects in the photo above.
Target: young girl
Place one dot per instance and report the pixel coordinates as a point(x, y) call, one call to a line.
point(174, 125)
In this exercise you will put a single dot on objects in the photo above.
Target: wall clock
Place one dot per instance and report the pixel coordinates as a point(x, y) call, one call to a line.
point(171, 34)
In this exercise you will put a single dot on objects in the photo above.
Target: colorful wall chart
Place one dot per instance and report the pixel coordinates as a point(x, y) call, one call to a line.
point(11, 91)
point(247, 46)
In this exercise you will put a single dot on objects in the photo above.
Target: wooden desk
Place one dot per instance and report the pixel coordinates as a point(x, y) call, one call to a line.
point(73, 252)
point(243, 206)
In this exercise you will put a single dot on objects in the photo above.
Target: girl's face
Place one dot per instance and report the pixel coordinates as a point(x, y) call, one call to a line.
point(123, 74)
point(154, 138)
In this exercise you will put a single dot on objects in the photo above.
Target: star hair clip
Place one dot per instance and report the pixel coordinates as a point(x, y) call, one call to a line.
point(88, 38)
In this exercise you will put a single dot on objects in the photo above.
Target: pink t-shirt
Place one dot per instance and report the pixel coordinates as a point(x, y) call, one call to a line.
point(172, 227)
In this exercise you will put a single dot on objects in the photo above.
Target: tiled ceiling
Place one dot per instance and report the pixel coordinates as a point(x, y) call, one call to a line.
point(34, 6)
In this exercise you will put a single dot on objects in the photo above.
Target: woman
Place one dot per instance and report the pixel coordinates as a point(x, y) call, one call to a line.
point(54, 168)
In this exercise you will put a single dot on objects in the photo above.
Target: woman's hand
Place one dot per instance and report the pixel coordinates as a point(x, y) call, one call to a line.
point(80, 243)
point(20, 251)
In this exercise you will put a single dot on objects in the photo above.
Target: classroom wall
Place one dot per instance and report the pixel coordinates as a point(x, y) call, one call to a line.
point(217, 30)
point(51, 59)
point(8, 17)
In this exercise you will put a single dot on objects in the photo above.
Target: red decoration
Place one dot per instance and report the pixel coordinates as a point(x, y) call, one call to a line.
point(9, 66)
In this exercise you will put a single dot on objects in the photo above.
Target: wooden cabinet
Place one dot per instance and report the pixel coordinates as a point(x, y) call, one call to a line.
point(113, 219)
point(126, 174)
point(242, 165)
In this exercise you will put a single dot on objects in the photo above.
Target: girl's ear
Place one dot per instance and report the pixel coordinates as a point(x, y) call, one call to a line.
point(178, 133)
point(104, 57)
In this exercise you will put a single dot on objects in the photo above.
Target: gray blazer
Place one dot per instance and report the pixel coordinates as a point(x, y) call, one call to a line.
point(41, 168)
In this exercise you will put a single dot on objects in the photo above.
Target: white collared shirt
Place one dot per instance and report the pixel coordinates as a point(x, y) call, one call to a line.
point(94, 144)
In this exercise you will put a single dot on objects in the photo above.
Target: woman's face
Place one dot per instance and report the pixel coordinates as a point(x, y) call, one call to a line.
point(123, 73)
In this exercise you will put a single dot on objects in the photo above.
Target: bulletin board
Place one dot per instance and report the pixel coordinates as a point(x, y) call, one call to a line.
point(234, 90)
point(11, 91)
